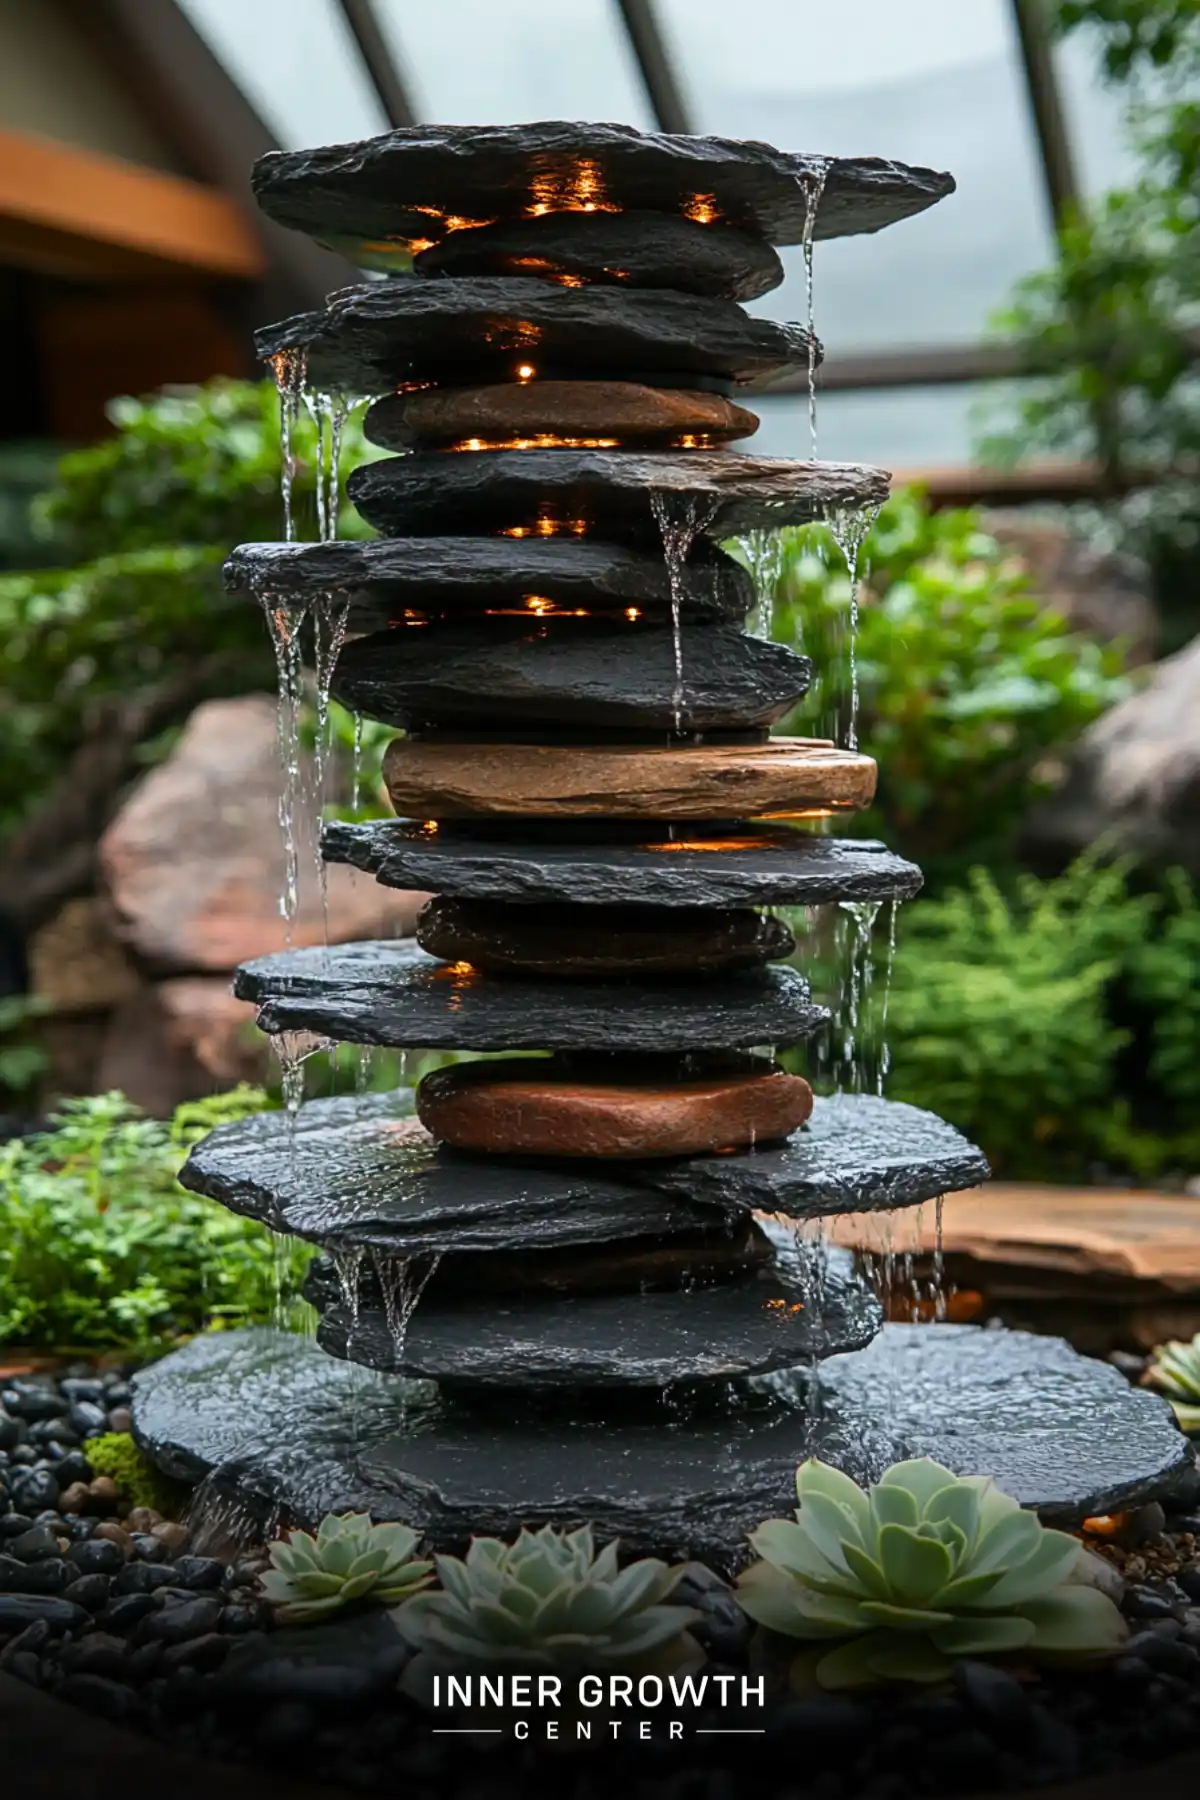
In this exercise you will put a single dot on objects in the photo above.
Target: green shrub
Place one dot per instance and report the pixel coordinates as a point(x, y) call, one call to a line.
point(142, 1483)
point(966, 682)
point(1020, 1018)
point(101, 1248)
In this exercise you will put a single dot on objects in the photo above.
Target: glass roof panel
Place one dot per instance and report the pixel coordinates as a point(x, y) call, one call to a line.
point(1094, 112)
point(500, 62)
point(932, 82)
point(297, 64)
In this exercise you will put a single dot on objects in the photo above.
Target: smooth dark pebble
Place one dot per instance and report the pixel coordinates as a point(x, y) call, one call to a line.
point(199, 1572)
point(148, 1549)
point(192, 1618)
point(12, 1431)
point(34, 1489)
point(108, 1699)
point(25, 1666)
point(15, 1525)
point(97, 1556)
point(145, 1662)
point(74, 1466)
point(100, 1653)
point(143, 1578)
point(120, 1419)
point(127, 1610)
point(238, 1619)
point(32, 1401)
point(91, 1591)
point(50, 1576)
point(55, 1431)
point(35, 1545)
point(1146, 1603)
point(1162, 1653)
point(204, 1653)
point(88, 1417)
point(284, 1727)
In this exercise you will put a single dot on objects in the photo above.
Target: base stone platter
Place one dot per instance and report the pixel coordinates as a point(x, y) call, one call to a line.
point(291, 1432)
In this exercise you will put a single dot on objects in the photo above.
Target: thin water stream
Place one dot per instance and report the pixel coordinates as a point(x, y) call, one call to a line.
point(814, 188)
point(848, 526)
point(681, 518)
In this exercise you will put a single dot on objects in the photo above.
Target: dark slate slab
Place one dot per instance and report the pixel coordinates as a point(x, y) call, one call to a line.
point(758, 867)
point(287, 1426)
point(784, 1313)
point(426, 180)
point(372, 339)
point(392, 992)
point(578, 673)
point(431, 575)
point(498, 490)
point(856, 1154)
point(627, 249)
point(362, 1171)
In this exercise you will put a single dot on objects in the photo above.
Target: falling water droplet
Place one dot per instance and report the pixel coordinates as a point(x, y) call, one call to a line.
point(356, 765)
point(763, 551)
point(290, 368)
point(285, 623)
point(402, 1280)
point(885, 1049)
point(330, 614)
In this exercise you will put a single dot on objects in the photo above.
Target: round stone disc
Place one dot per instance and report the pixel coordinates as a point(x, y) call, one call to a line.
point(391, 992)
point(579, 673)
point(602, 493)
point(283, 1425)
point(391, 579)
point(393, 334)
point(775, 1317)
point(362, 1173)
point(620, 249)
point(414, 186)
point(748, 866)
point(559, 781)
point(594, 942)
point(506, 1107)
point(531, 415)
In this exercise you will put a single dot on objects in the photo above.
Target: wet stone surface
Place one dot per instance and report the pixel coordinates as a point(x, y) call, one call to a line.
point(373, 339)
point(856, 1154)
point(393, 992)
point(363, 1171)
point(629, 249)
point(289, 1424)
point(573, 672)
point(385, 576)
point(694, 866)
point(345, 192)
point(606, 491)
point(600, 941)
point(774, 1317)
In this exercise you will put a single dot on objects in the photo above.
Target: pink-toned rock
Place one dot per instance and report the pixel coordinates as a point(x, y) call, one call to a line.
point(193, 863)
point(203, 1018)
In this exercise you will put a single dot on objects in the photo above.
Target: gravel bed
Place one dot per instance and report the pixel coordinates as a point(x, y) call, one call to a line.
point(132, 1618)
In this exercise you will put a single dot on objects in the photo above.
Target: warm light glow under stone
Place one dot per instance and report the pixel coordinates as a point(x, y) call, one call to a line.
point(1106, 1525)
point(703, 209)
point(525, 371)
point(543, 441)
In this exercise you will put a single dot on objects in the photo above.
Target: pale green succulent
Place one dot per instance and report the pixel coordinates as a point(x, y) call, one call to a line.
point(925, 1567)
point(349, 1557)
point(547, 1602)
point(1175, 1370)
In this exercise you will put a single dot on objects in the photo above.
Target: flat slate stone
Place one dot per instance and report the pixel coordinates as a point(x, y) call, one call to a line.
point(424, 181)
point(572, 941)
point(375, 339)
point(784, 1313)
point(284, 1425)
point(534, 1106)
point(387, 578)
point(576, 672)
point(362, 1171)
point(856, 1154)
point(622, 249)
point(468, 778)
point(393, 992)
point(528, 415)
point(747, 867)
point(605, 493)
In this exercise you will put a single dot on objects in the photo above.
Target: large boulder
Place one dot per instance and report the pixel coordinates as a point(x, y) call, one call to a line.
point(1134, 774)
point(193, 864)
point(1106, 593)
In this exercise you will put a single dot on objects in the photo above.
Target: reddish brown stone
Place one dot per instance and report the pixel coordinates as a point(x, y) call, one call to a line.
point(194, 862)
point(515, 1107)
point(541, 414)
point(786, 776)
point(594, 941)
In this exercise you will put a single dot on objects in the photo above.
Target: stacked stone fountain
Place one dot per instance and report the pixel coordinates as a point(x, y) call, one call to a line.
point(581, 1272)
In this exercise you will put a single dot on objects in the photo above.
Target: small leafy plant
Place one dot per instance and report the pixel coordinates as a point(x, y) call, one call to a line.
point(101, 1249)
point(925, 1567)
point(548, 1602)
point(1175, 1371)
point(349, 1559)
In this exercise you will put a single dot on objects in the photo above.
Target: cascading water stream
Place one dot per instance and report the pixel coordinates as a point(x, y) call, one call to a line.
point(330, 615)
point(402, 1280)
point(681, 518)
point(290, 369)
point(285, 624)
point(813, 181)
point(848, 526)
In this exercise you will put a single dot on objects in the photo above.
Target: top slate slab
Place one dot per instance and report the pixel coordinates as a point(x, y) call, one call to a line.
point(419, 184)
